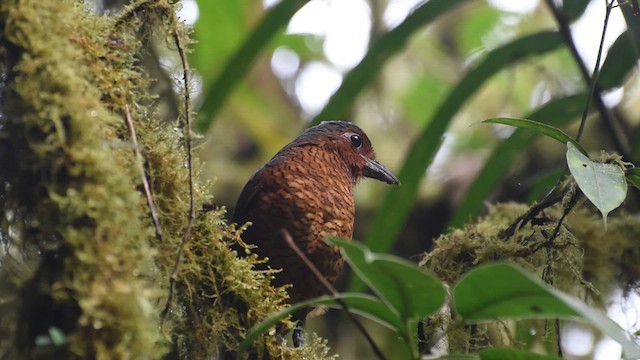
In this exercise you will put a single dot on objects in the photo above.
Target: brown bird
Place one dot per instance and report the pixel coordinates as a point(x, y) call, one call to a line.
point(307, 190)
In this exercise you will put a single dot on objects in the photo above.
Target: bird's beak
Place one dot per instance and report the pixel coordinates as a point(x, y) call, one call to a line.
point(375, 170)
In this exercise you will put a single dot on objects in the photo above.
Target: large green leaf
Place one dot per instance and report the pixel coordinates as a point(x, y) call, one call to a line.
point(399, 200)
point(502, 290)
point(379, 52)
point(603, 184)
point(406, 288)
point(556, 112)
point(237, 66)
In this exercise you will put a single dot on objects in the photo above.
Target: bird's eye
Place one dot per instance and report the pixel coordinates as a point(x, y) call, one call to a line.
point(356, 141)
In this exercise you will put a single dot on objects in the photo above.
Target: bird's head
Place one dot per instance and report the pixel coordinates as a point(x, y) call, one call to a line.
point(354, 147)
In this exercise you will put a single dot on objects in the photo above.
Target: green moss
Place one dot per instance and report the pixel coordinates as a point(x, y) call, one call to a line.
point(80, 255)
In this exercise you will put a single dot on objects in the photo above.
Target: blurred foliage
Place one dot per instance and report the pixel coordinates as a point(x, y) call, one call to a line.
point(421, 85)
point(418, 91)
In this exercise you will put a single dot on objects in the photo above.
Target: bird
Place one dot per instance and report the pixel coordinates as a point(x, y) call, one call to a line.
point(306, 190)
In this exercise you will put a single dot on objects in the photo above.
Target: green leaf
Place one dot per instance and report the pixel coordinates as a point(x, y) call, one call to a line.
point(361, 304)
point(399, 200)
point(603, 184)
point(379, 52)
point(221, 26)
point(423, 87)
point(237, 66)
point(369, 307)
point(406, 288)
point(502, 290)
point(472, 31)
point(513, 354)
point(633, 24)
point(621, 59)
point(633, 44)
point(556, 112)
point(574, 9)
point(540, 127)
point(633, 176)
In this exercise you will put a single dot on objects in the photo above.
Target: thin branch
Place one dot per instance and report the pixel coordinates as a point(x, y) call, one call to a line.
point(525, 218)
point(547, 274)
point(618, 138)
point(192, 208)
point(558, 338)
point(596, 71)
point(333, 292)
point(145, 181)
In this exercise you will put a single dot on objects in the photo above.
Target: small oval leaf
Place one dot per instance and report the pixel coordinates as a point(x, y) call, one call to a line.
point(603, 184)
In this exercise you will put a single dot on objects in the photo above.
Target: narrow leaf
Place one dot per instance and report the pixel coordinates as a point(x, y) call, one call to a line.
point(603, 184)
point(380, 51)
point(540, 127)
point(237, 66)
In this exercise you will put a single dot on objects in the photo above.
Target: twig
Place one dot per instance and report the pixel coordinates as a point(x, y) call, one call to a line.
point(558, 338)
point(596, 72)
point(192, 208)
point(523, 219)
point(617, 136)
point(548, 272)
point(145, 181)
point(333, 292)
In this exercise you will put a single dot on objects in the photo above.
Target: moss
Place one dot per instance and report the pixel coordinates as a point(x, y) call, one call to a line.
point(583, 260)
point(71, 192)
point(80, 255)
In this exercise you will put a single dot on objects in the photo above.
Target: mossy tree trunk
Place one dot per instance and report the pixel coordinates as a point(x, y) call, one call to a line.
point(82, 264)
